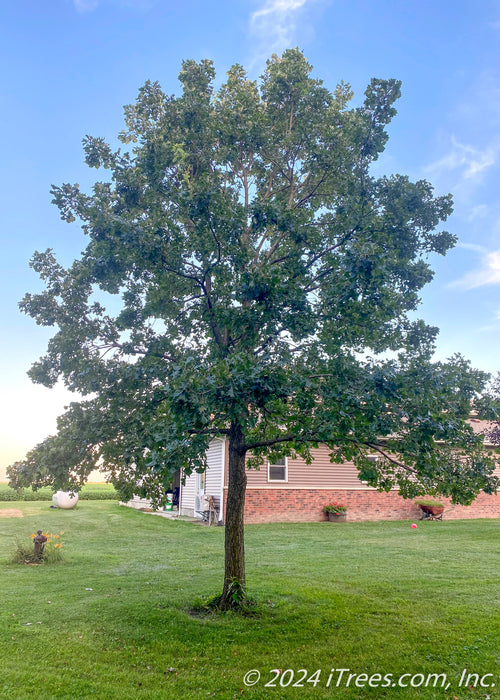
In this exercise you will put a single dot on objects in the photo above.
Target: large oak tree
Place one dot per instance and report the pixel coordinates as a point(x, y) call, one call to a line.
point(248, 276)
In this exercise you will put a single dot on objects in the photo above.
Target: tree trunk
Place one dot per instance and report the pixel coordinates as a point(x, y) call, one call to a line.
point(234, 575)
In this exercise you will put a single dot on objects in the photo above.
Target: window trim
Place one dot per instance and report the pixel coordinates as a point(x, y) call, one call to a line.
point(277, 481)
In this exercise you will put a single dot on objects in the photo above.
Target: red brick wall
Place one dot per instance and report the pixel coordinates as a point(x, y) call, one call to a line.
point(305, 505)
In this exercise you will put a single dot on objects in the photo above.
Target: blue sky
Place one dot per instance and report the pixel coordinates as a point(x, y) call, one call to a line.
point(71, 65)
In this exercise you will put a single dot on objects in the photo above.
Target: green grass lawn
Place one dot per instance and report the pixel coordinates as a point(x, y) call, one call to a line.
point(374, 598)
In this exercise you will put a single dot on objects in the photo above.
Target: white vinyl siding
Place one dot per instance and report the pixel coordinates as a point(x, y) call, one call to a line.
point(212, 481)
point(215, 465)
point(187, 494)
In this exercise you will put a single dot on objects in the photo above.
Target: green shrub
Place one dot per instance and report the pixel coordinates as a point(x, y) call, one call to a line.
point(24, 554)
point(51, 554)
point(98, 492)
point(430, 502)
point(8, 494)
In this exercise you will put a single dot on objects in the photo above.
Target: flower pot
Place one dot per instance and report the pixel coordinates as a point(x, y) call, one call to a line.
point(337, 517)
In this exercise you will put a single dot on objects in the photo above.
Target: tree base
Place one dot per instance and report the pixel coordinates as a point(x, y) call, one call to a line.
point(233, 598)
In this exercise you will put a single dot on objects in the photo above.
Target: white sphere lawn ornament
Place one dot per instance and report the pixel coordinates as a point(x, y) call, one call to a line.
point(65, 499)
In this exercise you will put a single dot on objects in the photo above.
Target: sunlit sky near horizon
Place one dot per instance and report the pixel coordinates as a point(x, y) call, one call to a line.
point(69, 66)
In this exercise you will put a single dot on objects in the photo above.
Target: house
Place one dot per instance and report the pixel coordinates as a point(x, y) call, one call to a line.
point(292, 491)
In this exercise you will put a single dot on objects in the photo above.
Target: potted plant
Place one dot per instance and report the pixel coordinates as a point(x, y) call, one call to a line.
point(336, 512)
point(430, 508)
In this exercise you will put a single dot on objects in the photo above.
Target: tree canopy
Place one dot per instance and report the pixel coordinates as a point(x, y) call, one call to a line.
point(247, 276)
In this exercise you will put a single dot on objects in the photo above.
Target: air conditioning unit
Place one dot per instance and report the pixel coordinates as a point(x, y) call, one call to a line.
point(201, 504)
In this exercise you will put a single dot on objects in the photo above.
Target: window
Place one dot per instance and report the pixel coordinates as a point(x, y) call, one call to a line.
point(373, 459)
point(200, 482)
point(277, 471)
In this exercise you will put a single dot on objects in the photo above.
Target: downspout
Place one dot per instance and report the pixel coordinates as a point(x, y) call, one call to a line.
point(223, 474)
point(180, 494)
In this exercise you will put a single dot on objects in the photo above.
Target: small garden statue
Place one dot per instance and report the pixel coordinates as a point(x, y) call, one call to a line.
point(39, 541)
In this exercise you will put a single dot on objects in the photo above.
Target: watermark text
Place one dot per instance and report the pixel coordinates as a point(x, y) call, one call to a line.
point(345, 678)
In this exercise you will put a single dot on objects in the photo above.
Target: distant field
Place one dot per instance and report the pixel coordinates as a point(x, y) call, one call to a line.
point(94, 492)
point(114, 620)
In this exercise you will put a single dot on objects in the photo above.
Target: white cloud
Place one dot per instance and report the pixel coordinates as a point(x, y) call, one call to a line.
point(473, 246)
point(480, 108)
point(274, 26)
point(85, 5)
point(495, 326)
point(277, 21)
point(479, 211)
point(486, 274)
point(465, 161)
